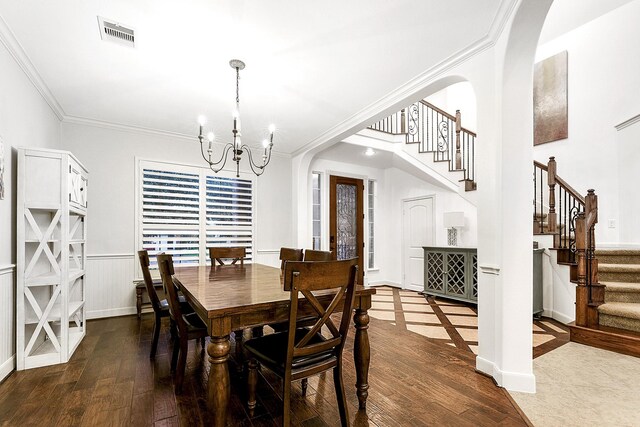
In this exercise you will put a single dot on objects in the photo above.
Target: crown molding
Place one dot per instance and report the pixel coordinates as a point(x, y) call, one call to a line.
point(418, 83)
point(84, 121)
point(627, 123)
point(16, 50)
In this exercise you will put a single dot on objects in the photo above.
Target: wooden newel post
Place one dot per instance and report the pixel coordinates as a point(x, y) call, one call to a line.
point(458, 129)
point(591, 211)
point(552, 220)
point(582, 293)
point(403, 120)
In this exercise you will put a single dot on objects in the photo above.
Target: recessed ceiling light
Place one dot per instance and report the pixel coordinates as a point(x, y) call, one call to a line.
point(369, 152)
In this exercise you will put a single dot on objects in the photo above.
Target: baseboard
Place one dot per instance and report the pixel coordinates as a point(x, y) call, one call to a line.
point(512, 381)
point(415, 288)
point(384, 283)
point(7, 367)
point(112, 312)
point(561, 317)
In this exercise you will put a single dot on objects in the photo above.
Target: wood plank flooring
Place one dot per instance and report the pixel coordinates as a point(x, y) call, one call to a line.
point(110, 381)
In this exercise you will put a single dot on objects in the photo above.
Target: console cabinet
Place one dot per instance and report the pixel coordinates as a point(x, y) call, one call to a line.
point(451, 272)
point(51, 257)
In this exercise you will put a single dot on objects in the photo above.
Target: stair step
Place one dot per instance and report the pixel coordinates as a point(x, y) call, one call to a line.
point(619, 272)
point(623, 287)
point(627, 310)
point(618, 256)
point(608, 338)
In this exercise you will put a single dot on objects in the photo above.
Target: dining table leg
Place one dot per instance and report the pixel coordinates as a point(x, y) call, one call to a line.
point(362, 354)
point(219, 387)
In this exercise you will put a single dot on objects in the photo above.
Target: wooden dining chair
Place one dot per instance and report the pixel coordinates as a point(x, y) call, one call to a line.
point(312, 255)
point(302, 352)
point(235, 254)
point(160, 306)
point(189, 325)
point(289, 254)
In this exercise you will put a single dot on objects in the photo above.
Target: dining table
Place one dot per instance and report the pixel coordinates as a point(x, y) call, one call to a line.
point(232, 298)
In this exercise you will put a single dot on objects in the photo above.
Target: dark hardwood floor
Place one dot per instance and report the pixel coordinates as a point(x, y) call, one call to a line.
point(111, 381)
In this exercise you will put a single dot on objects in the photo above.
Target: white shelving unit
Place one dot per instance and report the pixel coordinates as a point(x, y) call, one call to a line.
point(51, 256)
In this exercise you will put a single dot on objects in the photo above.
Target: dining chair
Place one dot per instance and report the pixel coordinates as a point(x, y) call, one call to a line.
point(302, 352)
point(160, 306)
point(234, 253)
point(312, 255)
point(189, 325)
point(289, 254)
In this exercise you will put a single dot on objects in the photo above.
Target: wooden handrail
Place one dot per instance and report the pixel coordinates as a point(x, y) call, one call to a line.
point(570, 189)
point(449, 116)
point(540, 165)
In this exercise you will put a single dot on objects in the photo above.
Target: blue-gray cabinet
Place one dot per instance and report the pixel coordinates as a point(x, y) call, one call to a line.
point(451, 272)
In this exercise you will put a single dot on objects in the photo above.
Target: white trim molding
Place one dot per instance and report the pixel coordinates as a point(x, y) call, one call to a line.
point(512, 381)
point(7, 367)
point(627, 123)
point(490, 269)
point(5, 269)
point(110, 256)
point(18, 53)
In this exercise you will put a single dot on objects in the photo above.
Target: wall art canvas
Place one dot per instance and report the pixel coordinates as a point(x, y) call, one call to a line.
point(550, 113)
point(1, 170)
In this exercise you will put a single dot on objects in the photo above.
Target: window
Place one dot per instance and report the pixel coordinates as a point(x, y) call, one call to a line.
point(317, 210)
point(370, 206)
point(180, 205)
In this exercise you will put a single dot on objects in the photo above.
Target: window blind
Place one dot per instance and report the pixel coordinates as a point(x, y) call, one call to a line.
point(184, 211)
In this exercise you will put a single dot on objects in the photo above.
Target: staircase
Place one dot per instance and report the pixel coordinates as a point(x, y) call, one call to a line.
point(608, 281)
point(619, 271)
point(435, 132)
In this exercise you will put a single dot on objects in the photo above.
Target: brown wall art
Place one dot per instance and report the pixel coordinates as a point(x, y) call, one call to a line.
point(550, 114)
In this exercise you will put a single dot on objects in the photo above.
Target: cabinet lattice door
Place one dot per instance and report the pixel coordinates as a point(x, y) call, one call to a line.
point(451, 272)
point(51, 257)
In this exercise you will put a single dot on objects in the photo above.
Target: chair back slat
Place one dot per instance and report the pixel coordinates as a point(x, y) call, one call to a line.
point(234, 253)
point(312, 255)
point(165, 264)
point(143, 256)
point(305, 277)
point(289, 254)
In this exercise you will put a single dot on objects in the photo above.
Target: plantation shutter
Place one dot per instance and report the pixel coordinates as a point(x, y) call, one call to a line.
point(180, 205)
point(229, 217)
point(170, 214)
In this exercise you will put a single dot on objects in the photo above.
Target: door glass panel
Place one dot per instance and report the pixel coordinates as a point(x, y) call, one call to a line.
point(346, 204)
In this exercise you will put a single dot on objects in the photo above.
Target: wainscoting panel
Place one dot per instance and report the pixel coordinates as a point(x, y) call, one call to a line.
point(268, 257)
point(7, 320)
point(109, 287)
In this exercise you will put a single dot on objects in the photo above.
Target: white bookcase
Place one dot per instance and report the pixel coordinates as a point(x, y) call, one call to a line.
point(51, 256)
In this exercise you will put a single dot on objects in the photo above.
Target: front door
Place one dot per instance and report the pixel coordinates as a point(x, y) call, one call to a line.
point(417, 231)
point(346, 215)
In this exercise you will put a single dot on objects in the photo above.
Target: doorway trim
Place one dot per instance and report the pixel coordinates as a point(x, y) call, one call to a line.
point(433, 231)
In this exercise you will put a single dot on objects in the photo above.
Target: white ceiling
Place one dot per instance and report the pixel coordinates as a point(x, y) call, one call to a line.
point(310, 65)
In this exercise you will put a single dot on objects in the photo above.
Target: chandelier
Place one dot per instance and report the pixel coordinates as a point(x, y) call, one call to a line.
point(236, 147)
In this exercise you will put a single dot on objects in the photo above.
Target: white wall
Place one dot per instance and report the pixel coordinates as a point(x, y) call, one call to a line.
point(459, 96)
point(25, 120)
point(603, 82)
point(394, 186)
point(110, 155)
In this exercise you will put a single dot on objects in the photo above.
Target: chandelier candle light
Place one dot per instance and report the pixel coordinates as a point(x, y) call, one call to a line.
point(236, 147)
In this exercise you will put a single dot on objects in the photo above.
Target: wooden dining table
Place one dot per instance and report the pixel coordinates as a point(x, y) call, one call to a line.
point(235, 297)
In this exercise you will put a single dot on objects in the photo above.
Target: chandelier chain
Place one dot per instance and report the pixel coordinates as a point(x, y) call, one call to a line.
point(237, 86)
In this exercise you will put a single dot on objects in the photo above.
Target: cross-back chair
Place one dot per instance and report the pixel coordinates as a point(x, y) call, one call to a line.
point(302, 352)
point(160, 306)
point(234, 253)
point(289, 254)
point(189, 325)
point(313, 255)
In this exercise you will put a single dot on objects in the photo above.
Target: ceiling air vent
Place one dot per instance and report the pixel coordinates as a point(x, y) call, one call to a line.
point(112, 31)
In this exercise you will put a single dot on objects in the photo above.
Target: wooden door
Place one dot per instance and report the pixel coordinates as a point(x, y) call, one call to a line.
point(417, 231)
point(346, 217)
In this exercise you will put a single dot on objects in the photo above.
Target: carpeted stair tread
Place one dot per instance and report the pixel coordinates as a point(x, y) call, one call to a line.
point(623, 252)
point(621, 286)
point(621, 309)
point(619, 268)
